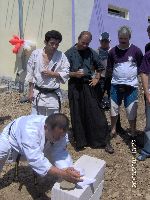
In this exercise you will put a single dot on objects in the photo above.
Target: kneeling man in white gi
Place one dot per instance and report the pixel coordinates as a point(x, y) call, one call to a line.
point(42, 140)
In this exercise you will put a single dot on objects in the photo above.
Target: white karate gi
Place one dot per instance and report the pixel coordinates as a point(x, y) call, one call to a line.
point(47, 103)
point(27, 137)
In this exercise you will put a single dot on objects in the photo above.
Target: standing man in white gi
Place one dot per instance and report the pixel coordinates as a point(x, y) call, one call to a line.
point(38, 138)
point(46, 69)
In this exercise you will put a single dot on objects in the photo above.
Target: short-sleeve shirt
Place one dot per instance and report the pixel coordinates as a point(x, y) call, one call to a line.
point(125, 64)
point(145, 66)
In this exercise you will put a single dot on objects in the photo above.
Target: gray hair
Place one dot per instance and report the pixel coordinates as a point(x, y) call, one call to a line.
point(124, 30)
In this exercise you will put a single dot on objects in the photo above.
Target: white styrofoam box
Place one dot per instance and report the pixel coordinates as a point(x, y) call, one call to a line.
point(98, 192)
point(94, 168)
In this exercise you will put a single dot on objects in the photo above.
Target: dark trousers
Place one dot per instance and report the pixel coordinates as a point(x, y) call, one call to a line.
point(103, 86)
point(88, 120)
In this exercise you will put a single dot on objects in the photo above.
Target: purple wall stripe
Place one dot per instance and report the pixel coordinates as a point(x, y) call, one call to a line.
point(73, 22)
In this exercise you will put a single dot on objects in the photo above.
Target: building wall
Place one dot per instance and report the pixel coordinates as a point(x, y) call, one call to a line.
point(70, 17)
point(138, 20)
point(83, 12)
point(39, 17)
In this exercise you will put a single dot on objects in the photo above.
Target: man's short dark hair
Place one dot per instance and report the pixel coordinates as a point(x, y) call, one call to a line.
point(53, 34)
point(148, 29)
point(57, 120)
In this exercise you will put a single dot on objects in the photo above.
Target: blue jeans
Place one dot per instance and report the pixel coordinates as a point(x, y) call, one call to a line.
point(146, 149)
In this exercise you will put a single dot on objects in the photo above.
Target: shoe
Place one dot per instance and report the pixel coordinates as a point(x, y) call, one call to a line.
point(109, 148)
point(24, 100)
point(132, 134)
point(142, 157)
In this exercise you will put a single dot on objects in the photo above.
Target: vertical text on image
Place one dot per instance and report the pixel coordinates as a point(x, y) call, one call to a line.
point(134, 164)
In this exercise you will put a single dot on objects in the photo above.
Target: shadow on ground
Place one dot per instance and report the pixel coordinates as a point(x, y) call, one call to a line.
point(40, 191)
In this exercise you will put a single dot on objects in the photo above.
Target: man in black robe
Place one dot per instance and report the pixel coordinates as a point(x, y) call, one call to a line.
point(89, 123)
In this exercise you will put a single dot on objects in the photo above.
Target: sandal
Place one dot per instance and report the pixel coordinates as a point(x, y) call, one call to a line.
point(141, 157)
point(109, 148)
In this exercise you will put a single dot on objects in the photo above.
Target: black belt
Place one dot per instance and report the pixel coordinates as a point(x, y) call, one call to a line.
point(10, 127)
point(46, 91)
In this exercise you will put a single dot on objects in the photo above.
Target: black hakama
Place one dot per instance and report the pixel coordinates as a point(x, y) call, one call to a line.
point(89, 122)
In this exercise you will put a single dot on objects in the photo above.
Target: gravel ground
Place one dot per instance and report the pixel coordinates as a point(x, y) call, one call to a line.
point(118, 174)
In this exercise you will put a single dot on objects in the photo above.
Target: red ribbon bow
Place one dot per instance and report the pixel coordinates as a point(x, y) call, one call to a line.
point(17, 43)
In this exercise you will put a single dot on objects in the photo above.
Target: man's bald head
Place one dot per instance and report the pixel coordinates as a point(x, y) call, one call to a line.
point(85, 34)
point(84, 40)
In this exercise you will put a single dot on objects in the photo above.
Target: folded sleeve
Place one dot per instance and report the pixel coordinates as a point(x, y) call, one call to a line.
point(139, 57)
point(30, 147)
point(64, 69)
point(30, 68)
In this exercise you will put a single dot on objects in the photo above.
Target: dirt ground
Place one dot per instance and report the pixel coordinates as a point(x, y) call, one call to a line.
point(119, 169)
